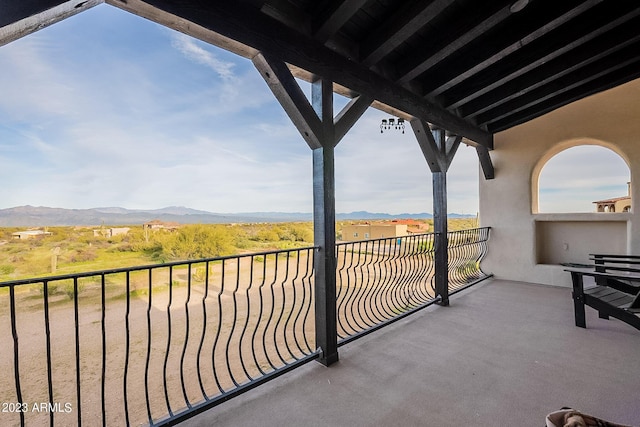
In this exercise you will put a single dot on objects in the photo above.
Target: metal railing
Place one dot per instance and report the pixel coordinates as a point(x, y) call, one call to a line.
point(158, 344)
point(382, 280)
point(152, 344)
point(467, 249)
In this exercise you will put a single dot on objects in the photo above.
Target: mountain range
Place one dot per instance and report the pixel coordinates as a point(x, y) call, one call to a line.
point(32, 216)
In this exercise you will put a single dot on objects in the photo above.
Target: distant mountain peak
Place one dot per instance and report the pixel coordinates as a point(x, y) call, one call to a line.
point(30, 216)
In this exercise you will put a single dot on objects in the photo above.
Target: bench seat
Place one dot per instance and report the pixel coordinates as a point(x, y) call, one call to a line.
point(607, 300)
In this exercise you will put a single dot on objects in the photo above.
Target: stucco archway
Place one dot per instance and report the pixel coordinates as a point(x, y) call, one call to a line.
point(558, 148)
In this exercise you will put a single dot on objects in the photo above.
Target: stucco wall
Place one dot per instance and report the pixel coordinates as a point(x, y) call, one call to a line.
point(508, 202)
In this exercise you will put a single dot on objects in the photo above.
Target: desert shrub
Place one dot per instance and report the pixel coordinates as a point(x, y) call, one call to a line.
point(7, 269)
point(69, 289)
point(196, 241)
point(267, 235)
point(84, 255)
point(302, 232)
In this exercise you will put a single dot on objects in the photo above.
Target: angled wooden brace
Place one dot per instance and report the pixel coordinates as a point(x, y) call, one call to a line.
point(485, 162)
point(305, 116)
point(437, 149)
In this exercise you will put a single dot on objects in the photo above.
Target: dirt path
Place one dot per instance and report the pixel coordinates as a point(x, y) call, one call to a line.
point(157, 356)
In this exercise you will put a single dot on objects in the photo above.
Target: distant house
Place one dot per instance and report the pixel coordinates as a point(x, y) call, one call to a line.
point(413, 226)
point(156, 224)
point(378, 230)
point(29, 234)
point(618, 204)
point(110, 232)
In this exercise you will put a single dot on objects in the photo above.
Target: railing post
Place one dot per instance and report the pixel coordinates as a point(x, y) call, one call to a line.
point(441, 237)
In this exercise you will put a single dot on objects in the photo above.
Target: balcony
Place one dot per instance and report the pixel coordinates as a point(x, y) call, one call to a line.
point(504, 353)
point(161, 343)
point(189, 343)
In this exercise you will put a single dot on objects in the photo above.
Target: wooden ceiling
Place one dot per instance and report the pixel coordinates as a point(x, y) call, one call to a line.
point(471, 67)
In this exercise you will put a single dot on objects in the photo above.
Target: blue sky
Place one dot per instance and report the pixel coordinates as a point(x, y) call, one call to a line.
point(108, 109)
point(578, 176)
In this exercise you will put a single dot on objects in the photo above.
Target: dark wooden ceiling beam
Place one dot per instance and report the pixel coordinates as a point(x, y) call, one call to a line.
point(553, 70)
point(416, 65)
point(513, 69)
point(399, 27)
point(224, 21)
point(579, 78)
point(511, 48)
point(21, 18)
point(287, 13)
point(557, 99)
point(334, 17)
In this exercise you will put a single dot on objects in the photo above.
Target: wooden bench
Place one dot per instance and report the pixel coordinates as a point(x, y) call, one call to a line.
point(617, 289)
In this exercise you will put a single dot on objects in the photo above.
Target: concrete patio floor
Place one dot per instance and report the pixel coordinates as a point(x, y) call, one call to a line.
point(503, 354)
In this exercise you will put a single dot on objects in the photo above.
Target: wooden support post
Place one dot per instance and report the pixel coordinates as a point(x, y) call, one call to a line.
point(324, 225)
point(439, 151)
point(442, 240)
point(322, 133)
point(439, 180)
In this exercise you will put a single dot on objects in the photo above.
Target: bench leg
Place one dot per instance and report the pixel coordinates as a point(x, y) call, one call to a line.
point(578, 300)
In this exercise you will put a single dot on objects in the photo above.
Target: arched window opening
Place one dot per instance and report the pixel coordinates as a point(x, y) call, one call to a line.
point(584, 178)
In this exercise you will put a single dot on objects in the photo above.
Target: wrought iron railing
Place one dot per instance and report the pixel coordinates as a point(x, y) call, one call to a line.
point(158, 344)
point(467, 249)
point(149, 344)
point(383, 280)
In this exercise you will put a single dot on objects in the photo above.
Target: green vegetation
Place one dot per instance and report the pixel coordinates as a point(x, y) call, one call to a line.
point(79, 250)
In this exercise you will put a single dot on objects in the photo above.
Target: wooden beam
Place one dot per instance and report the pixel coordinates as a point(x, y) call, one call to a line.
point(428, 145)
point(23, 17)
point(553, 70)
point(290, 15)
point(437, 149)
point(503, 52)
point(485, 162)
point(399, 27)
point(619, 77)
point(227, 20)
point(322, 132)
point(334, 17)
point(349, 115)
point(493, 79)
point(416, 64)
point(288, 93)
point(453, 142)
point(563, 88)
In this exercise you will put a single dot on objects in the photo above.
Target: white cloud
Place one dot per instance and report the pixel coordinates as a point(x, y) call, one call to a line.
point(189, 48)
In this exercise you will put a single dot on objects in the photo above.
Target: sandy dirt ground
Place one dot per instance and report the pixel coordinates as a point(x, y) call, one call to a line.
point(156, 355)
point(256, 324)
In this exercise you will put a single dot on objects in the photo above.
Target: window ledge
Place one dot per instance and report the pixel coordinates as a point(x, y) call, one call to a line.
point(583, 216)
